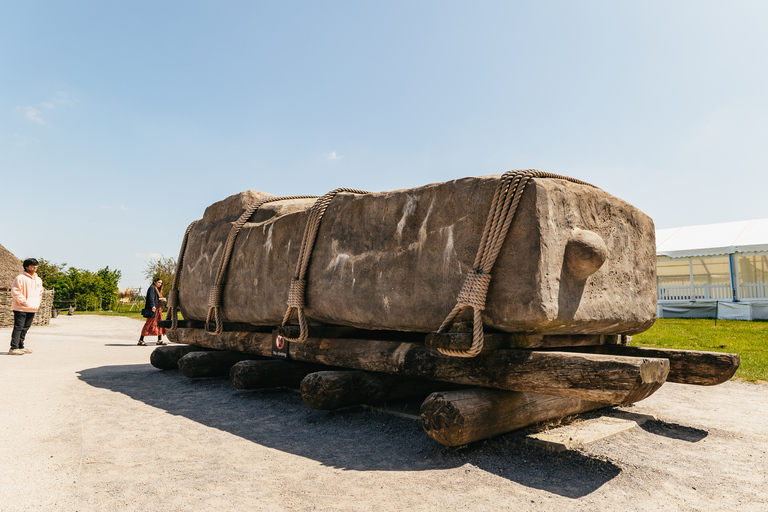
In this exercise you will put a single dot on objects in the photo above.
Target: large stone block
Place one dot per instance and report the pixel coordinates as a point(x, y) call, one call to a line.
point(576, 260)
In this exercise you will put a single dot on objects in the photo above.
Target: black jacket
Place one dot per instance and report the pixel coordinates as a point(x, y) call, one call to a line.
point(153, 298)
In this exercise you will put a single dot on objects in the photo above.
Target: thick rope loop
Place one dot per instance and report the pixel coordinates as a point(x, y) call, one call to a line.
point(173, 295)
point(217, 290)
point(474, 291)
point(296, 302)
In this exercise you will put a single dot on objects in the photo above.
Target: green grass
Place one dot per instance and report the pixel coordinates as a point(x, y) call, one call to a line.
point(130, 314)
point(748, 339)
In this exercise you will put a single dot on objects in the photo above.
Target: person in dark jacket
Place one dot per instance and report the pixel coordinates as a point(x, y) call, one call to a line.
point(154, 302)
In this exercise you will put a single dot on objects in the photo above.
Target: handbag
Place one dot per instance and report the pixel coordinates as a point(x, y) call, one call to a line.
point(147, 313)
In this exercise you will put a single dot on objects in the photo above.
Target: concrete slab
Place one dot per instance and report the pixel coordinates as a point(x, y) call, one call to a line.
point(579, 434)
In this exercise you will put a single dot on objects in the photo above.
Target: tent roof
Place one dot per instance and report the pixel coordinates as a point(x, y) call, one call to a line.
point(746, 236)
point(10, 267)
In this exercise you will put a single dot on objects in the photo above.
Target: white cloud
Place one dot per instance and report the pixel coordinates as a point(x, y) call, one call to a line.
point(32, 114)
point(153, 255)
point(123, 207)
point(104, 207)
point(332, 156)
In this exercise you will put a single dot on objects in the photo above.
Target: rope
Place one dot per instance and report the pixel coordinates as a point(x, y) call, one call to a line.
point(475, 288)
point(217, 290)
point(173, 295)
point(297, 292)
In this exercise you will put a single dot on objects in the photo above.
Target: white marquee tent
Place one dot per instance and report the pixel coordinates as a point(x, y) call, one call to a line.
point(714, 270)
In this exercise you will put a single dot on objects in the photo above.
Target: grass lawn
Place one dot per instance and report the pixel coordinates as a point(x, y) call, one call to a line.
point(130, 314)
point(748, 339)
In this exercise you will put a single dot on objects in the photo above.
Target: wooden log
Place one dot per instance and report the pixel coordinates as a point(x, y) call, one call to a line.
point(167, 357)
point(228, 326)
point(594, 377)
point(454, 418)
point(315, 331)
point(685, 366)
point(210, 363)
point(328, 390)
point(497, 340)
point(270, 373)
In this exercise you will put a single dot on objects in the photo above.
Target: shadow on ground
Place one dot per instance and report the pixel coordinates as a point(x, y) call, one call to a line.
point(352, 438)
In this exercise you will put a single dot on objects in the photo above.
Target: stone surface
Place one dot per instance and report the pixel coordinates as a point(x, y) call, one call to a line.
point(577, 435)
point(397, 260)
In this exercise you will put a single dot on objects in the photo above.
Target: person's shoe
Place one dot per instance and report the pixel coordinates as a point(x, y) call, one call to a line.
point(16, 352)
point(161, 342)
point(25, 350)
point(142, 342)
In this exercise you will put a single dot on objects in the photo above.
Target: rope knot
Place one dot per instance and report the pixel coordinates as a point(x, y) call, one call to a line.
point(214, 299)
point(296, 293)
point(474, 289)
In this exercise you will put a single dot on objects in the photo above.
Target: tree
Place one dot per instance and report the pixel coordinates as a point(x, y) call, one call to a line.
point(163, 268)
point(49, 272)
point(88, 290)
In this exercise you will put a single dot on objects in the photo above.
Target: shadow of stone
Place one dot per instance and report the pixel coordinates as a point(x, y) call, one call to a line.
point(569, 296)
point(674, 431)
point(352, 438)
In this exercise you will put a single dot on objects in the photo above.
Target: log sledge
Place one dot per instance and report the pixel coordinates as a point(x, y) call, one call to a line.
point(510, 298)
point(602, 378)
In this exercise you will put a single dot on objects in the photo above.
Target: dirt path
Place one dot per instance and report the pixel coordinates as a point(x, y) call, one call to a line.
point(87, 424)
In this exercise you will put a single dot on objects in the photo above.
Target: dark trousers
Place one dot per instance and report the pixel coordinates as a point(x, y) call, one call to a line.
point(21, 323)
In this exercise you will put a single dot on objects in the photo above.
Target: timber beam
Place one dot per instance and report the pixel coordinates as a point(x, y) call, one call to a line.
point(454, 418)
point(212, 363)
point(328, 390)
point(685, 366)
point(594, 377)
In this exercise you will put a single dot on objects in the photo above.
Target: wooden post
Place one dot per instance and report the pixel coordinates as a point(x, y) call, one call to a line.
point(459, 417)
point(328, 390)
point(270, 373)
point(594, 377)
point(167, 358)
point(210, 363)
point(685, 366)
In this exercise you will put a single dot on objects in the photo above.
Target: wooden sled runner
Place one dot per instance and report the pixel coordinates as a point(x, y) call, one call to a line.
point(499, 301)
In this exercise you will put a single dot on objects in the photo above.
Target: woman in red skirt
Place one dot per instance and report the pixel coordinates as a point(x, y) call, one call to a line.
point(154, 302)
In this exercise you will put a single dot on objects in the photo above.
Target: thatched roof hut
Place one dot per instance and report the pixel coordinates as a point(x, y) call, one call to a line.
point(10, 267)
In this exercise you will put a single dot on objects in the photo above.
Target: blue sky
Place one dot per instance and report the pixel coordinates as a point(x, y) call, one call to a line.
point(121, 121)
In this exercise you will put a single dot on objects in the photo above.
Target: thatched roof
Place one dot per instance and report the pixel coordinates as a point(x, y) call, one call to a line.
point(10, 267)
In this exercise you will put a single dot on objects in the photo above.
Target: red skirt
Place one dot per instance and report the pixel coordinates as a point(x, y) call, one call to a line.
point(150, 326)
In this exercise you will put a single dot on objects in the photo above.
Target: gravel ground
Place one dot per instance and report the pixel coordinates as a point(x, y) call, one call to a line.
point(87, 425)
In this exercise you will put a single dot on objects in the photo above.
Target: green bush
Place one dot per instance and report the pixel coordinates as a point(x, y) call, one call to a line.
point(87, 290)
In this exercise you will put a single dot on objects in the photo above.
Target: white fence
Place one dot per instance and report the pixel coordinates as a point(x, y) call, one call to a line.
point(758, 290)
point(705, 291)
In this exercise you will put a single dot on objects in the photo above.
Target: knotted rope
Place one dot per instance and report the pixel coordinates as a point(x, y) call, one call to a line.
point(297, 292)
point(214, 298)
point(475, 288)
point(173, 295)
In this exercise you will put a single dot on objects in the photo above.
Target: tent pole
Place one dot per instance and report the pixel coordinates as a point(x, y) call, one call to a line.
point(690, 272)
